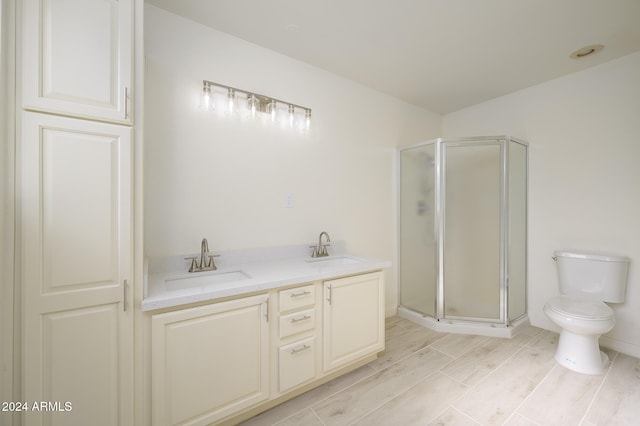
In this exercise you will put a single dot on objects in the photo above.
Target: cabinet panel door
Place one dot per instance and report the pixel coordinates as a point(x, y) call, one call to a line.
point(76, 257)
point(296, 298)
point(210, 361)
point(77, 57)
point(353, 318)
point(296, 363)
point(297, 322)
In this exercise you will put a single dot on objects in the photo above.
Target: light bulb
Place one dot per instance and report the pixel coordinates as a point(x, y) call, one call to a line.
point(206, 97)
point(292, 112)
point(252, 102)
point(272, 110)
point(307, 119)
point(231, 97)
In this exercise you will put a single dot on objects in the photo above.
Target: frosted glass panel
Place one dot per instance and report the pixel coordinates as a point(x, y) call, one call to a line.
point(417, 234)
point(517, 244)
point(472, 231)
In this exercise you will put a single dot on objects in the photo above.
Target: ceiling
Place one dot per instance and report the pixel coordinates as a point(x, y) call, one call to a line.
point(442, 55)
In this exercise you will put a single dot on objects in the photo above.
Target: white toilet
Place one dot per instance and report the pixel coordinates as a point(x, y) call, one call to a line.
point(586, 281)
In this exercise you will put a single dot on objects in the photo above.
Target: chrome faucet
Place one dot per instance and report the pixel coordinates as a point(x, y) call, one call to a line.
point(321, 249)
point(206, 259)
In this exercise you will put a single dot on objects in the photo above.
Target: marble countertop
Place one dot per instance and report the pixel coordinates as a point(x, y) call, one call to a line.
point(168, 282)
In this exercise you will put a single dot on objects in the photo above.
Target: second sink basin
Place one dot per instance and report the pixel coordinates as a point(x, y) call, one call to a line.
point(204, 279)
point(334, 261)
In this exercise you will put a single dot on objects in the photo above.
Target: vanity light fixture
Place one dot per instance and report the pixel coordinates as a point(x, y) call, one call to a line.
point(256, 103)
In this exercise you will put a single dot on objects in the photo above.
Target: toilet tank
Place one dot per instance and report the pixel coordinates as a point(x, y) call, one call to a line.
point(591, 276)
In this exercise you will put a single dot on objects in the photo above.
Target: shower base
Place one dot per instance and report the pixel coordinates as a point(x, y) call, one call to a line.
point(465, 327)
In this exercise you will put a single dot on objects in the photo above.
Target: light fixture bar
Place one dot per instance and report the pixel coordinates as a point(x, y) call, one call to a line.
point(264, 100)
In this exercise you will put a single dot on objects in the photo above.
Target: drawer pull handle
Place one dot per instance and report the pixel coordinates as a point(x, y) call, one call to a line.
point(303, 348)
point(295, 320)
point(302, 293)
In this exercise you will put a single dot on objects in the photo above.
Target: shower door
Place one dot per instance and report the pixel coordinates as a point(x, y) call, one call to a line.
point(471, 223)
point(463, 230)
point(418, 239)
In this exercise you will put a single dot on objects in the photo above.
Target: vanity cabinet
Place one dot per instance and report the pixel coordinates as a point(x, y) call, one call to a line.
point(77, 58)
point(353, 318)
point(209, 361)
point(226, 361)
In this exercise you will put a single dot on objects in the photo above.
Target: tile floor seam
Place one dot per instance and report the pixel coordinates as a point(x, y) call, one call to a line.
point(344, 388)
point(463, 414)
point(316, 414)
point(493, 371)
point(462, 353)
point(524, 401)
point(284, 419)
point(464, 395)
point(403, 358)
point(468, 388)
point(524, 417)
point(595, 395)
point(453, 359)
point(505, 361)
point(455, 380)
point(396, 396)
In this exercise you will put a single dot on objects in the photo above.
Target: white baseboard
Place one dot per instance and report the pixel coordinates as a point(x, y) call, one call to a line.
point(620, 346)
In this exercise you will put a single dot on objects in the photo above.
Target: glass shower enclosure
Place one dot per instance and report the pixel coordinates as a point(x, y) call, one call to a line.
point(463, 233)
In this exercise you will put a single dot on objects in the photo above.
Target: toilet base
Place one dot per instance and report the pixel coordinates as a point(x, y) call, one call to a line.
point(581, 353)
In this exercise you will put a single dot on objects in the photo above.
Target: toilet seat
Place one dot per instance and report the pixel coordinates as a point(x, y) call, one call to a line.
point(582, 309)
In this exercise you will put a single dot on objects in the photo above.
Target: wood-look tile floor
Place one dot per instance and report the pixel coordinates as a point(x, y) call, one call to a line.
point(429, 378)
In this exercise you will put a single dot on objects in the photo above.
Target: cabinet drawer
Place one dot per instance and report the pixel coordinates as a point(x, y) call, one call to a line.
point(296, 363)
point(298, 297)
point(297, 322)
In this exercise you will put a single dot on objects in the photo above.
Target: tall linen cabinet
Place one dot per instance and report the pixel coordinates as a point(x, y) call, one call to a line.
point(78, 238)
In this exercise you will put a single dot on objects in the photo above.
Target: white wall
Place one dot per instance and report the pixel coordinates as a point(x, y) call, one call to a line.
point(584, 188)
point(226, 179)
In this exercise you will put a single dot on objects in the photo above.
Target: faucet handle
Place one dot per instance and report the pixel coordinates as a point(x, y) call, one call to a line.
point(194, 263)
point(210, 263)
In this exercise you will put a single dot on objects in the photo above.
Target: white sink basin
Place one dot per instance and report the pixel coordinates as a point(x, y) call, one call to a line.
point(334, 261)
point(204, 279)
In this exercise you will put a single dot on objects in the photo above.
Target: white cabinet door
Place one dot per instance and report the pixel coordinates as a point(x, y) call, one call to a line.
point(296, 363)
point(76, 261)
point(353, 318)
point(77, 57)
point(210, 361)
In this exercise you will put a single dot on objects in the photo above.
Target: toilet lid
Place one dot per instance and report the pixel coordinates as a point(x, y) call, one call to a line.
point(583, 309)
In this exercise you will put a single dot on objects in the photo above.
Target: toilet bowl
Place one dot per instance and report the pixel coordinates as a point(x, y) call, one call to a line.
point(586, 281)
point(582, 322)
